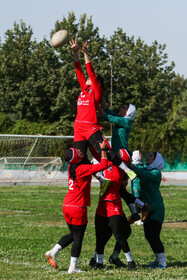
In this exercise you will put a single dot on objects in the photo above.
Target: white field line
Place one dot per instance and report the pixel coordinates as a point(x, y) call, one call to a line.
point(46, 267)
point(18, 211)
point(25, 264)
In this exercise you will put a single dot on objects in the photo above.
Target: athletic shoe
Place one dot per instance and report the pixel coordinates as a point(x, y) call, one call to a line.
point(51, 259)
point(145, 210)
point(117, 262)
point(133, 218)
point(92, 262)
point(98, 266)
point(138, 223)
point(73, 269)
point(153, 263)
point(104, 186)
point(132, 175)
point(131, 265)
point(158, 266)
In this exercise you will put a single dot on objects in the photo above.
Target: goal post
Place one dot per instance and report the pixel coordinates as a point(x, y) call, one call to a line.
point(32, 158)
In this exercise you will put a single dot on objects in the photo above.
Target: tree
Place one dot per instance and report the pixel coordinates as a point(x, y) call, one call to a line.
point(14, 56)
point(139, 76)
point(38, 84)
point(29, 75)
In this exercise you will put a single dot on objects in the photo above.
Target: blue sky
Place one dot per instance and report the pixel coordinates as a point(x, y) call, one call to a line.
point(161, 20)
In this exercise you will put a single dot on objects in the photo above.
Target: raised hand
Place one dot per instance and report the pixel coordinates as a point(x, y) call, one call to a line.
point(85, 47)
point(74, 45)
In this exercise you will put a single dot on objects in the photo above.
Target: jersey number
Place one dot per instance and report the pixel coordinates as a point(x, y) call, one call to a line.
point(71, 184)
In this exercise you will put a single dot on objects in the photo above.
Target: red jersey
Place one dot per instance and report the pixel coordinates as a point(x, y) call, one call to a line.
point(90, 96)
point(114, 173)
point(79, 188)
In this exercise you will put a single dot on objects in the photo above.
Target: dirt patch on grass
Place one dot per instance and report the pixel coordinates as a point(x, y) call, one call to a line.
point(175, 224)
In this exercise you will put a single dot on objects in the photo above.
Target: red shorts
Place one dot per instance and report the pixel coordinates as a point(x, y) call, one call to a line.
point(75, 215)
point(83, 131)
point(109, 208)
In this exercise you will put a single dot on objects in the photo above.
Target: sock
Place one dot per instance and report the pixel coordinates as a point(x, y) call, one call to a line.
point(129, 256)
point(124, 167)
point(57, 248)
point(74, 261)
point(99, 258)
point(115, 254)
point(99, 176)
point(162, 259)
point(139, 203)
point(132, 208)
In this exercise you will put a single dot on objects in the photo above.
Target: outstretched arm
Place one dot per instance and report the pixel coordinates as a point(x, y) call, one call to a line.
point(93, 77)
point(75, 48)
point(80, 75)
point(85, 51)
point(104, 109)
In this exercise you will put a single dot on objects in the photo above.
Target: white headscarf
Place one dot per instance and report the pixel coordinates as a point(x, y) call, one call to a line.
point(158, 163)
point(131, 112)
point(136, 157)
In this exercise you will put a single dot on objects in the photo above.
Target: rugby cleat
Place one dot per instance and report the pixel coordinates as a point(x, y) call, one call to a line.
point(117, 262)
point(158, 266)
point(98, 266)
point(153, 263)
point(138, 223)
point(131, 265)
point(74, 270)
point(51, 259)
point(133, 218)
point(92, 262)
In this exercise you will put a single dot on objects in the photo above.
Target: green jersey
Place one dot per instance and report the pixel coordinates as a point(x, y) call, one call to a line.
point(121, 130)
point(150, 182)
point(135, 184)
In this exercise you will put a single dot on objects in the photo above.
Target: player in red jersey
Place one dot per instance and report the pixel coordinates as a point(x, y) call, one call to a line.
point(86, 128)
point(76, 202)
point(88, 101)
point(110, 219)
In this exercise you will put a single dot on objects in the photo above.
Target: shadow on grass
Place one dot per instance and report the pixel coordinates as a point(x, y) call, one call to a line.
point(177, 264)
point(174, 264)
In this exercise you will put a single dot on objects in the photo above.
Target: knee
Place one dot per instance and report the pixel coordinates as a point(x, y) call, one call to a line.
point(128, 232)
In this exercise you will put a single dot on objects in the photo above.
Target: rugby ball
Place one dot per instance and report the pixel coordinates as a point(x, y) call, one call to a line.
point(60, 38)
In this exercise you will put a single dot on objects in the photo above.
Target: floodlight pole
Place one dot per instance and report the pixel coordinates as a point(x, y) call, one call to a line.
point(111, 87)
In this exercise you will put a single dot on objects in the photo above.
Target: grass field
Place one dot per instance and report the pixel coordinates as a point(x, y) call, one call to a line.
point(31, 222)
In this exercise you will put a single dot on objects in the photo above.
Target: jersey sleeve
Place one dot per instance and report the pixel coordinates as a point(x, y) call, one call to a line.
point(120, 121)
point(95, 82)
point(85, 170)
point(152, 175)
point(110, 112)
point(136, 188)
point(80, 74)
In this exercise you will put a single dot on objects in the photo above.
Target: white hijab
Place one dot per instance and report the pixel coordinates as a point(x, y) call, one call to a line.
point(158, 163)
point(131, 112)
point(136, 157)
